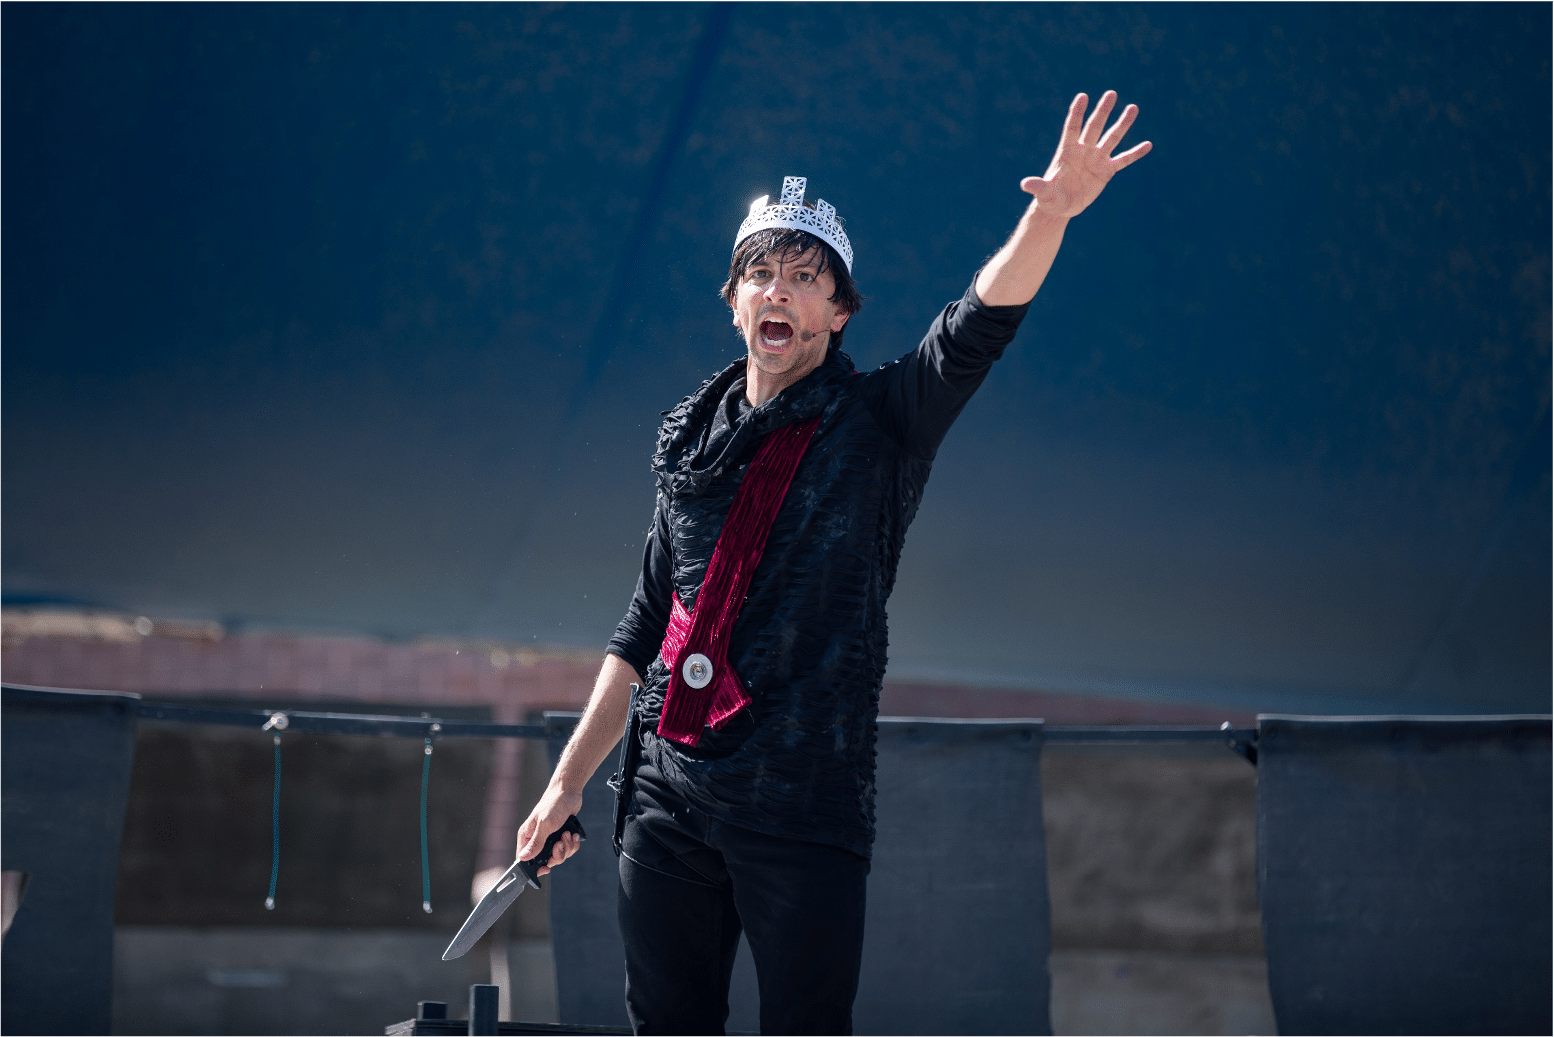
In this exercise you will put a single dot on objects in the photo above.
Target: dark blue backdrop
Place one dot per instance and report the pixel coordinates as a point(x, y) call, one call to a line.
point(360, 318)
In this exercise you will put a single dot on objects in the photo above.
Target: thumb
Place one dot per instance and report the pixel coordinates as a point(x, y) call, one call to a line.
point(1035, 185)
point(530, 839)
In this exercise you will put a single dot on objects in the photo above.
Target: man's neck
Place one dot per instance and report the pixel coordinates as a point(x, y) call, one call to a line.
point(761, 386)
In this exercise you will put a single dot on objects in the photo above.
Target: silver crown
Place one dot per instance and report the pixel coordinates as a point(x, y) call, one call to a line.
point(790, 211)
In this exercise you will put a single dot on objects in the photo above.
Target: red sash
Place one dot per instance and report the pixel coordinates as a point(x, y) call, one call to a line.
point(703, 687)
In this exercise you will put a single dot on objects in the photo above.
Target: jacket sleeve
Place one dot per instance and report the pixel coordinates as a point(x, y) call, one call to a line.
point(916, 398)
point(641, 632)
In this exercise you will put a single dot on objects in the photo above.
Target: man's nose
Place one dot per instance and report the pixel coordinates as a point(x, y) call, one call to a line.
point(778, 289)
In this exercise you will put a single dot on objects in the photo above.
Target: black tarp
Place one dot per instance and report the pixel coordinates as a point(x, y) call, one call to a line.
point(360, 318)
point(64, 781)
point(958, 928)
point(1404, 871)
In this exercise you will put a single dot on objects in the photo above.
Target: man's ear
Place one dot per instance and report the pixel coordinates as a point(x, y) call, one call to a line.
point(839, 321)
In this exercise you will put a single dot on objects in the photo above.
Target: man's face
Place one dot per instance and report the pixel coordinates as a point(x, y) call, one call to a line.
point(784, 310)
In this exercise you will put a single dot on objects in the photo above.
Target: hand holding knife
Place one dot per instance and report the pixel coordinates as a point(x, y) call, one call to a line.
point(513, 882)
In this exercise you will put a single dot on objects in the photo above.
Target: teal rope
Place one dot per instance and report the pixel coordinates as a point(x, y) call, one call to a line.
point(426, 869)
point(275, 829)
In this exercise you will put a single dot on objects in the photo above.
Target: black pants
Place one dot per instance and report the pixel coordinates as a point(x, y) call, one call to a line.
point(689, 883)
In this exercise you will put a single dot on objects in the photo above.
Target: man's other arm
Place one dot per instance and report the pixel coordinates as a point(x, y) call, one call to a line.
point(632, 649)
point(1080, 169)
point(597, 733)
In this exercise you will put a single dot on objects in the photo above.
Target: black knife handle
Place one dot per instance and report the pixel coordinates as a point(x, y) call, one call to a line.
point(532, 866)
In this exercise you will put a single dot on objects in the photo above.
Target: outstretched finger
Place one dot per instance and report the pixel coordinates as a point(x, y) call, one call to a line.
point(1092, 131)
point(1075, 118)
point(1132, 155)
point(1113, 136)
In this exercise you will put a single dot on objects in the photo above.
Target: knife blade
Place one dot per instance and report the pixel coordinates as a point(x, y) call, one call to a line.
point(514, 881)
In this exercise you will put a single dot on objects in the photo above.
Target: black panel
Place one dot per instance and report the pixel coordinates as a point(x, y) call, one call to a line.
point(958, 926)
point(590, 958)
point(958, 923)
point(1404, 866)
point(65, 768)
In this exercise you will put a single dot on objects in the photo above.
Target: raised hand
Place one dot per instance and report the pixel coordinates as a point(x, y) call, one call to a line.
point(1083, 163)
point(1080, 170)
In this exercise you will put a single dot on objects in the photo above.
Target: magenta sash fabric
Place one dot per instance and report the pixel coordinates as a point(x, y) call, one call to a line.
point(707, 629)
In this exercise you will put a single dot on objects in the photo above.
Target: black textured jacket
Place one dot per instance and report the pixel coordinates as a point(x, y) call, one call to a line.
point(810, 640)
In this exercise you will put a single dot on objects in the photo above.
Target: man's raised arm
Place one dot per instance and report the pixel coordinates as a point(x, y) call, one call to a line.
point(1079, 171)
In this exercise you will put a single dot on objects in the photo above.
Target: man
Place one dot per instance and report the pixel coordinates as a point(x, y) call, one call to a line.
point(757, 631)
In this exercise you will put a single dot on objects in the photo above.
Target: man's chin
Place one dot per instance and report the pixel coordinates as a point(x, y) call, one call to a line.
point(780, 354)
point(775, 361)
point(782, 350)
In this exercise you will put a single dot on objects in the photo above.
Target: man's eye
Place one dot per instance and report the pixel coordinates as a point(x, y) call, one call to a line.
point(804, 275)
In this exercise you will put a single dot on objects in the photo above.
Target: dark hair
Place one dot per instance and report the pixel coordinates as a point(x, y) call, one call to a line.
point(787, 243)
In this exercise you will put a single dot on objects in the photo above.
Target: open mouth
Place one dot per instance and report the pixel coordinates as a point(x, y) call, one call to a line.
point(776, 333)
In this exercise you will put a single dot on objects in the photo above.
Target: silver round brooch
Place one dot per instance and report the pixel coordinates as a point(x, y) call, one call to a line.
point(697, 670)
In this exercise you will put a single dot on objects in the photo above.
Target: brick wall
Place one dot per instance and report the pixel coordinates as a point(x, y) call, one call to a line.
point(165, 658)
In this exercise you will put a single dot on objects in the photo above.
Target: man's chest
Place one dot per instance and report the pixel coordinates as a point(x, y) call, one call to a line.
point(829, 525)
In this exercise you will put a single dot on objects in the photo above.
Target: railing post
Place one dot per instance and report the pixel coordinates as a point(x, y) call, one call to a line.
point(482, 1007)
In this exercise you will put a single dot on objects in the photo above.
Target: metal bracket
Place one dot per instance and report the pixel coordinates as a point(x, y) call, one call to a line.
point(1242, 741)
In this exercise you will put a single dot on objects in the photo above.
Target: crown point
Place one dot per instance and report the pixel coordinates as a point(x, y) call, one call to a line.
point(791, 212)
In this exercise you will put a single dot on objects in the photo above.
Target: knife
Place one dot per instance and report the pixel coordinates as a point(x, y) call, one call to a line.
point(513, 882)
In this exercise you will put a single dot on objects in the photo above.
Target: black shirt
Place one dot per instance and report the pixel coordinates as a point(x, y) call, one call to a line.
point(810, 641)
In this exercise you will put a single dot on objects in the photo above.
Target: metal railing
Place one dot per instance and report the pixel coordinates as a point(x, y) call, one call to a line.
point(1242, 740)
